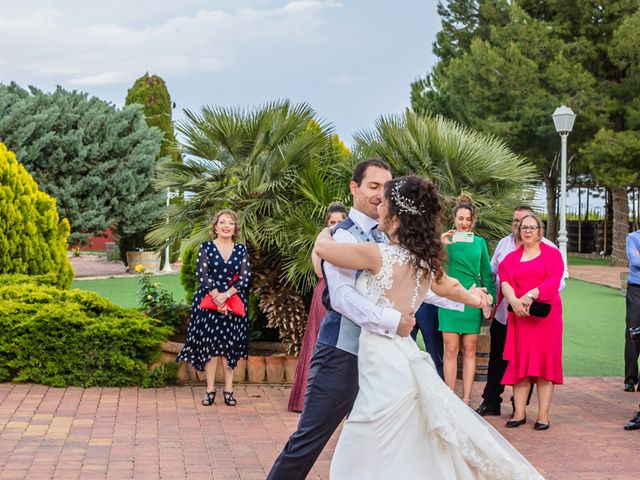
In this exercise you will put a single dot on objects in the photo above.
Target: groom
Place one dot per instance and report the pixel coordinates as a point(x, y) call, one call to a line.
point(333, 372)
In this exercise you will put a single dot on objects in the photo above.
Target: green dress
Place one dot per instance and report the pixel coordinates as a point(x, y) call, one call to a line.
point(469, 263)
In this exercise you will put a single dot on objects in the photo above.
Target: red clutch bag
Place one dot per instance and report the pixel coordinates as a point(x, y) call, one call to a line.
point(234, 302)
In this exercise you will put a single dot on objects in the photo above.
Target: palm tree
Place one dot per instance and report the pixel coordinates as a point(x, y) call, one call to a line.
point(457, 160)
point(278, 166)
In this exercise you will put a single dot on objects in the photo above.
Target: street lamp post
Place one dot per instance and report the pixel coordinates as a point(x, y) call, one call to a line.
point(563, 119)
point(167, 253)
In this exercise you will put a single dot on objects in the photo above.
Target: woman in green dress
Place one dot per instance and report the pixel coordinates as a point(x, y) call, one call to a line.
point(469, 263)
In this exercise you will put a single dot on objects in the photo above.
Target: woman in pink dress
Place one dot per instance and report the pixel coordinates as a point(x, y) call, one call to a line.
point(533, 348)
point(336, 213)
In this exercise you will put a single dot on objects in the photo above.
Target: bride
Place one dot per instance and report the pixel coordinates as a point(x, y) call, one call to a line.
point(406, 423)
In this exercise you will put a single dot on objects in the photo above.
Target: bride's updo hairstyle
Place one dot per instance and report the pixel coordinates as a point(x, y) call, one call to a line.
point(416, 204)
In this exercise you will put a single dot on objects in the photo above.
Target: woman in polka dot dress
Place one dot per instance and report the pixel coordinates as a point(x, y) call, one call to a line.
point(222, 270)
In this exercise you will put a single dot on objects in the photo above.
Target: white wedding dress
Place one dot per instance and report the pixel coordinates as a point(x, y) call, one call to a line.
point(406, 424)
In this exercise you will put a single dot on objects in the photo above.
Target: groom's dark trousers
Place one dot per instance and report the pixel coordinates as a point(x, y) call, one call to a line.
point(427, 323)
point(331, 392)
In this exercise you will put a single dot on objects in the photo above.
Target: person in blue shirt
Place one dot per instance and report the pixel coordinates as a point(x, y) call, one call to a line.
point(631, 348)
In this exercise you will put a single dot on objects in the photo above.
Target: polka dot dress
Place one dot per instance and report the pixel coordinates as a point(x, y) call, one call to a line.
point(212, 334)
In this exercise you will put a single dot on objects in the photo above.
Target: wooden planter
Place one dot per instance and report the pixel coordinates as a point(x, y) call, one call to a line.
point(149, 261)
point(275, 368)
point(290, 365)
point(256, 369)
point(240, 372)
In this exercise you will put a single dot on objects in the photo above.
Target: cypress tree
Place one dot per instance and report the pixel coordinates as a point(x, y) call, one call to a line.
point(33, 239)
point(151, 92)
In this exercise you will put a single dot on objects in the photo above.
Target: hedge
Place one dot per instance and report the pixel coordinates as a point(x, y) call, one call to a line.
point(75, 338)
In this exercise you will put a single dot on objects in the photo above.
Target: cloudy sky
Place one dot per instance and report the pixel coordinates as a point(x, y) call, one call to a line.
point(352, 60)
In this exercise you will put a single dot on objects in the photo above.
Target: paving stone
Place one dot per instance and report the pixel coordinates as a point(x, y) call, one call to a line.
point(133, 433)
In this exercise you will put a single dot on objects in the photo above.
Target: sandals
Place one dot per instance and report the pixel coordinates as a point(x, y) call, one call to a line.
point(228, 399)
point(209, 398)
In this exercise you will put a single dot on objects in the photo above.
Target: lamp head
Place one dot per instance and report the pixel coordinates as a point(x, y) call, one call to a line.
point(563, 119)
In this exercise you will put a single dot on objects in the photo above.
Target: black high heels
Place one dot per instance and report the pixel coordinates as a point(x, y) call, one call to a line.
point(209, 398)
point(228, 399)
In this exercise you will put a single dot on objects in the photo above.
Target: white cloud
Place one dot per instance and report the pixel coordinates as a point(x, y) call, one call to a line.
point(67, 43)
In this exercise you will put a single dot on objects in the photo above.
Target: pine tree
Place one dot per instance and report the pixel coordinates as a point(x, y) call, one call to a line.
point(33, 240)
point(95, 160)
point(508, 79)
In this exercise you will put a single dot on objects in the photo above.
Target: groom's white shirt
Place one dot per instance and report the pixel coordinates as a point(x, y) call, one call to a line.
point(354, 306)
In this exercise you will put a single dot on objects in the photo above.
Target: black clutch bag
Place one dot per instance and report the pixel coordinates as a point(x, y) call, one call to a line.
point(537, 309)
point(634, 334)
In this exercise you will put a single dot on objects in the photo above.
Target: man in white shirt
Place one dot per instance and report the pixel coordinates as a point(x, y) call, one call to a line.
point(492, 394)
point(333, 372)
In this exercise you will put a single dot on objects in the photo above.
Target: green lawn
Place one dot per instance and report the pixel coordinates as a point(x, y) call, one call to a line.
point(593, 320)
point(595, 261)
point(593, 330)
point(124, 291)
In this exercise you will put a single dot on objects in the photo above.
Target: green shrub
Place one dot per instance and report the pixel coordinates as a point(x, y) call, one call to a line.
point(188, 273)
point(161, 376)
point(158, 303)
point(49, 279)
point(33, 240)
point(72, 337)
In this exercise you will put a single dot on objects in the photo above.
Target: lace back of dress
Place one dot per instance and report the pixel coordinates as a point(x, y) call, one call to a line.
point(397, 282)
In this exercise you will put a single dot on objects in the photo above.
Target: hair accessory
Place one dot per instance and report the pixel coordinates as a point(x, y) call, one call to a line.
point(404, 204)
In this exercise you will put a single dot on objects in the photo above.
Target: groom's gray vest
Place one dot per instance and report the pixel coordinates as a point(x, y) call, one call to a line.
point(337, 330)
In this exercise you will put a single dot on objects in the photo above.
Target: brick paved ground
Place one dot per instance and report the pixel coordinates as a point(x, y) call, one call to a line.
point(602, 275)
point(133, 433)
point(88, 265)
point(144, 434)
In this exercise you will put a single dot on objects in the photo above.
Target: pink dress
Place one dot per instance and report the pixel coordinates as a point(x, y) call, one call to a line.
point(316, 314)
point(533, 346)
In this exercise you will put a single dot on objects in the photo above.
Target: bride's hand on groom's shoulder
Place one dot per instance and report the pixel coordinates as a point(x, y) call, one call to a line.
point(324, 235)
point(322, 240)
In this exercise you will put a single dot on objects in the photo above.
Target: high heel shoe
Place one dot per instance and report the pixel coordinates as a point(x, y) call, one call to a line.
point(209, 398)
point(516, 423)
point(228, 399)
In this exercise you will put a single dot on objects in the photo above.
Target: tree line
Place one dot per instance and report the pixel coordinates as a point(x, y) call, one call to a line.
point(504, 66)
